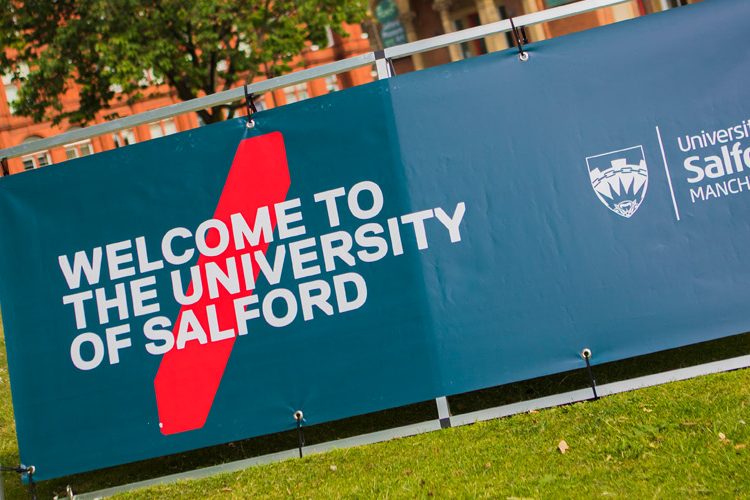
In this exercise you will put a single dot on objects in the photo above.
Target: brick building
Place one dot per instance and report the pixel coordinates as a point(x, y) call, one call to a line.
point(394, 22)
point(15, 129)
point(402, 21)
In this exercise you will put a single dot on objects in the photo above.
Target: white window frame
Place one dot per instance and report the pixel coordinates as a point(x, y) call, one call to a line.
point(75, 147)
point(11, 89)
point(34, 159)
point(124, 137)
point(162, 127)
point(294, 91)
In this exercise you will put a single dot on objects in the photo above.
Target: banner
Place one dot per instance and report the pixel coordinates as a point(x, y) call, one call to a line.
point(439, 232)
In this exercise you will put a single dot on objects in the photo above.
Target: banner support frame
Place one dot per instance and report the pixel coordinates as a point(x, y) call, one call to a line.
point(336, 67)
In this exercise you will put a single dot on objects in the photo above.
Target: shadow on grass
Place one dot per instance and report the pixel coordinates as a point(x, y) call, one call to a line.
point(530, 389)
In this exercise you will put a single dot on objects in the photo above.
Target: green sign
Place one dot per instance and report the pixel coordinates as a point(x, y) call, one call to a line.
point(557, 3)
point(391, 30)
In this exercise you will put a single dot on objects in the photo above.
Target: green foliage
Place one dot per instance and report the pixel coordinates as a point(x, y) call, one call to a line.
point(197, 47)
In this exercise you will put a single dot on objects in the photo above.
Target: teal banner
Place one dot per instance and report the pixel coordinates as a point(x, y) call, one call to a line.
point(439, 232)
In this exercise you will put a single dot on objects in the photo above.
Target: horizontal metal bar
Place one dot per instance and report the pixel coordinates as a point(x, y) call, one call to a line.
point(206, 102)
point(437, 42)
point(603, 390)
point(363, 439)
point(296, 77)
point(434, 425)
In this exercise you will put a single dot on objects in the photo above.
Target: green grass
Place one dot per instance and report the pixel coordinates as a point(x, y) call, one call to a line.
point(8, 444)
point(671, 450)
point(658, 442)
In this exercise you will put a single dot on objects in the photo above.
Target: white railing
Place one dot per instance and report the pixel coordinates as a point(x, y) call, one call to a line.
point(236, 94)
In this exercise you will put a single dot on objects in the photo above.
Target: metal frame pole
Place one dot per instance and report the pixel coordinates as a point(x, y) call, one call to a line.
point(238, 93)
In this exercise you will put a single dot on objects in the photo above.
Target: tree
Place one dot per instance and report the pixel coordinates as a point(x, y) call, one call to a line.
point(195, 46)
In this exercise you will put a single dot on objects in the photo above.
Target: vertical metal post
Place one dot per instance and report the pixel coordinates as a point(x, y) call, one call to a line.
point(444, 412)
point(384, 68)
point(382, 65)
point(32, 488)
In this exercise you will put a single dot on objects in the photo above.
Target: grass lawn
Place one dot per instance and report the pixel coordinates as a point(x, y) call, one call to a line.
point(685, 439)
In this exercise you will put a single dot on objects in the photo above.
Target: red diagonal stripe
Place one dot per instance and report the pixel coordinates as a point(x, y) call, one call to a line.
point(188, 379)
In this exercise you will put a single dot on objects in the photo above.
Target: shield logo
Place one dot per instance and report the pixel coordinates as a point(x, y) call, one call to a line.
point(620, 179)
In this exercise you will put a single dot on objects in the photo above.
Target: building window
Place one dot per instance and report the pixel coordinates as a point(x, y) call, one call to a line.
point(260, 102)
point(12, 88)
point(332, 84)
point(11, 91)
point(35, 160)
point(78, 149)
point(124, 138)
point(296, 93)
point(39, 159)
point(162, 128)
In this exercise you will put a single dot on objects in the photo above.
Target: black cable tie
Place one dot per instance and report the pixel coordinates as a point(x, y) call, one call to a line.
point(522, 31)
point(32, 485)
point(18, 470)
point(299, 416)
point(519, 35)
point(23, 470)
point(250, 105)
point(586, 354)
